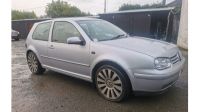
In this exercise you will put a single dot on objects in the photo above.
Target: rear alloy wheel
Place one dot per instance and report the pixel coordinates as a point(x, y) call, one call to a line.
point(34, 64)
point(111, 83)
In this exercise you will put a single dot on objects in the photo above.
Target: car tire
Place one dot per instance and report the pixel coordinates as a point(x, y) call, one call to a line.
point(112, 83)
point(17, 38)
point(34, 64)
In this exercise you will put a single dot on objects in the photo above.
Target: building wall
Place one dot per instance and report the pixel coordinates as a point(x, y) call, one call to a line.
point(183, 30)
point(137, 24)
point(148, 24)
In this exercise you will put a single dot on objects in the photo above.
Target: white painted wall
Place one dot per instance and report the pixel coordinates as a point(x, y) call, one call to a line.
point(183, 28)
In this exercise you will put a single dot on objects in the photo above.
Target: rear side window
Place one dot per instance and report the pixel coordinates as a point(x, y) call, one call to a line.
point(41, 32)
point(63, 30)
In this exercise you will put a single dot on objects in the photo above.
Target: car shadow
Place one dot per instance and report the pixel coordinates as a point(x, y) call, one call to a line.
point(53, 78)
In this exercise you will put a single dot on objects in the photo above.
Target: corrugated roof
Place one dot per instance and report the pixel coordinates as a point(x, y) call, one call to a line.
point(141, 10)
point(174, 3)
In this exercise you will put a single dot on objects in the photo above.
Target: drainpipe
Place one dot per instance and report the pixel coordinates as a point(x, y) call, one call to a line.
point(105, 6)
point(163, 2)
point(168, 20)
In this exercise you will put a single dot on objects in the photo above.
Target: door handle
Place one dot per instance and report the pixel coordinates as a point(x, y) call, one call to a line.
point(51, 47)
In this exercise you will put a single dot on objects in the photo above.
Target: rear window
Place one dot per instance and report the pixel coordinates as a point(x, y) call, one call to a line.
point(41, 32)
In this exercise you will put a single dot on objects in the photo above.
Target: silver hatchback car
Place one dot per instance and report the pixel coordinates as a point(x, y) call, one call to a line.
point(98, 51)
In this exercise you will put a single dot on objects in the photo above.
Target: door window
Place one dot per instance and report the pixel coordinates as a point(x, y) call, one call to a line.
point(41, 32)
point(63, 30)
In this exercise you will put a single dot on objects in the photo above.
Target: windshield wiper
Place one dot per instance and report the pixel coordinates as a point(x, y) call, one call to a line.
point(119, 36)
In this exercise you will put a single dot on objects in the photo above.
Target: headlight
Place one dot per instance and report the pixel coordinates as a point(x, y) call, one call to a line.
point(162, 63)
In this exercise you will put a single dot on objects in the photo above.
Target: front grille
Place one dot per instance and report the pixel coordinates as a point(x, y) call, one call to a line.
point(175, 59)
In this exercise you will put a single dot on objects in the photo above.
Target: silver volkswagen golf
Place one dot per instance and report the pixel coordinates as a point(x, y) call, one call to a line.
point(98, 51)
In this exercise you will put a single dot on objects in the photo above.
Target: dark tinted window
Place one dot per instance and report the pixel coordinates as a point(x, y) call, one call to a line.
point(63, 30)
point(42, 31)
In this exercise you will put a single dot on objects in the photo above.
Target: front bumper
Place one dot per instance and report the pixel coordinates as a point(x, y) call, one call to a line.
point(157, 80)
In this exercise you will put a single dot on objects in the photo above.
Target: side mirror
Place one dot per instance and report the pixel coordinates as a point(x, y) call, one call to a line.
point(75, 40)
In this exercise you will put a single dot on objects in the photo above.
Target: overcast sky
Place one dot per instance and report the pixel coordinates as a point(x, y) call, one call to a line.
point(92, 6)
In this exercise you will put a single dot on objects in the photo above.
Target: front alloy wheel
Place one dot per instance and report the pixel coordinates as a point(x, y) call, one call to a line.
point(111, 83)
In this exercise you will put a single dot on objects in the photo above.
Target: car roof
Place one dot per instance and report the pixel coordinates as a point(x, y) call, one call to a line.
point(75, 18)
point(69, 19)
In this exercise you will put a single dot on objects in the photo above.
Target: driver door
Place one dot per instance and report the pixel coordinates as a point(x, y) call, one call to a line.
point(71, 58)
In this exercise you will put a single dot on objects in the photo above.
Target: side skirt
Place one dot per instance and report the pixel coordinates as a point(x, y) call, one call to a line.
point(80, 76)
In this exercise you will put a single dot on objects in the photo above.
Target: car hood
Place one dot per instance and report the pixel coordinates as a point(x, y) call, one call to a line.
point(151, 47)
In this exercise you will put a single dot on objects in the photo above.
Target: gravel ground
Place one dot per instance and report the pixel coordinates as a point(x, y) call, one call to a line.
point(55, 92)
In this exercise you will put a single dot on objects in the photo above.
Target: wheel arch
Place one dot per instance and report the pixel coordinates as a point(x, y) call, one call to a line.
point(31, 49)
point(113, 63)
point(28, 52)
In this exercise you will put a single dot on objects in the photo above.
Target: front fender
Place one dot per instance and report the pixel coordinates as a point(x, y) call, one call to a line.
point(108, 57)
point(112, 58)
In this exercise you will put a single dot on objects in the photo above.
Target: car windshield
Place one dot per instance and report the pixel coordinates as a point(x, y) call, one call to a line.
point(100, 30)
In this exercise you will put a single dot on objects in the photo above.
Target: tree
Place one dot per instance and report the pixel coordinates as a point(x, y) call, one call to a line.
point(63, 9)
point(137, 6)
point(23, 15)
